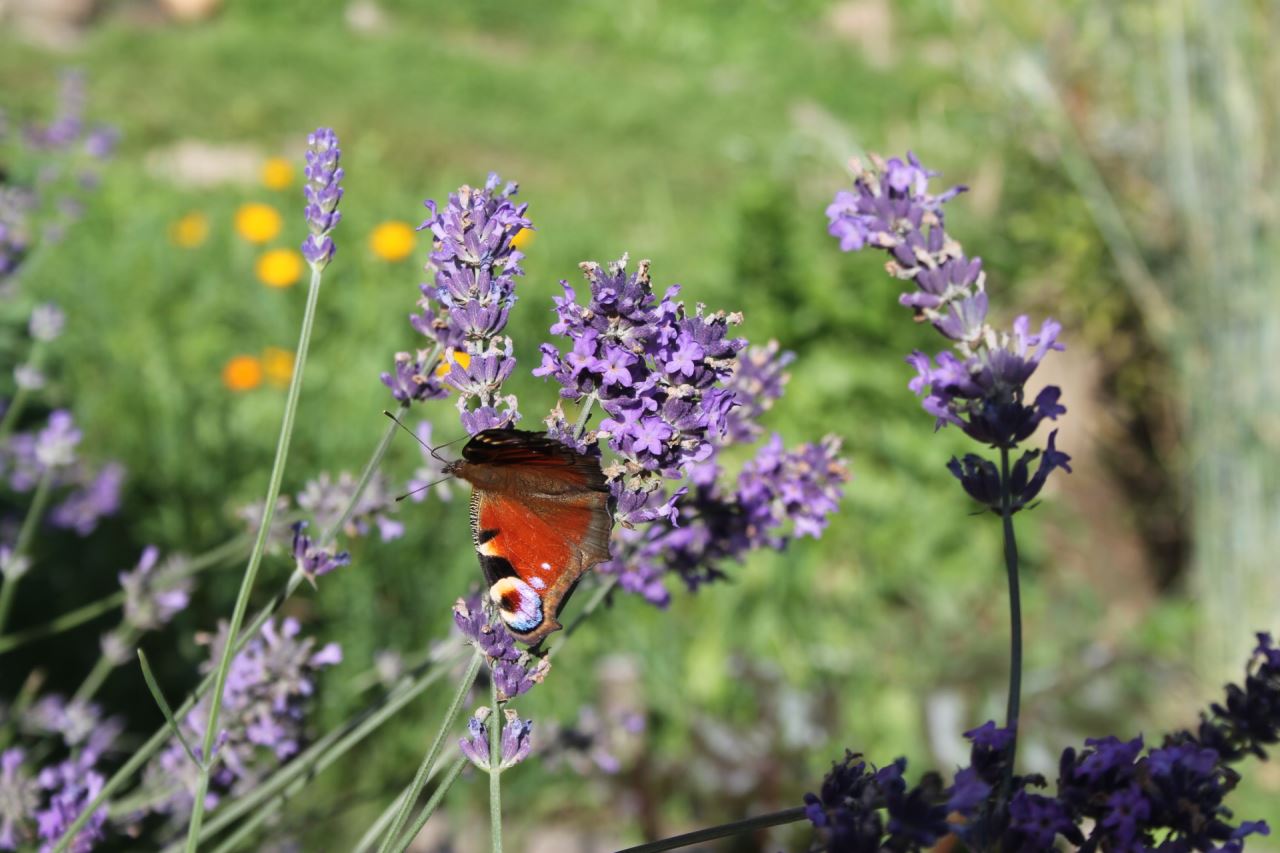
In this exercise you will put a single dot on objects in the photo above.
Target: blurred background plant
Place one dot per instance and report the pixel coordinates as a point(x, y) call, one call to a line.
point(1121, 180)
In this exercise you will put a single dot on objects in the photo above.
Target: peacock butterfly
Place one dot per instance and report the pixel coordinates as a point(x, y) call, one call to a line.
point(541, 516)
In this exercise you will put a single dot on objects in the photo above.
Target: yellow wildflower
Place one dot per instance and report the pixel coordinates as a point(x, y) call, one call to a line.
point(451, 357)
point(257, 222)
point(522, 240)
point(277, 173)
point(392, 241)
point(242, 373)
point(190, 231)
point(277, 364)
point(279, 267)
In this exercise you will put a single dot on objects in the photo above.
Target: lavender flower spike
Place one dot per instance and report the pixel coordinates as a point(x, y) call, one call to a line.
point(323, 191)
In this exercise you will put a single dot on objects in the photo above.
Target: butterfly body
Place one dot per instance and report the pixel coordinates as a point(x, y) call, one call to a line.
point(541, 516)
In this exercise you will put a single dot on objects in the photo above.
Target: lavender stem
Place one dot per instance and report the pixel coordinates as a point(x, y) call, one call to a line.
point(1015, 611)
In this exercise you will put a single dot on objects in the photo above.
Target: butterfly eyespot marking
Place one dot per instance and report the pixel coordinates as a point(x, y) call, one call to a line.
point(518, 603)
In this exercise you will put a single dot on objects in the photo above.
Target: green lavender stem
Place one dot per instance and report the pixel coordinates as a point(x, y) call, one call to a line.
point(294, 775)
point(379, 826)
point(79, 616)
point(424, 769)
point(1015, 611)
point(255, 558)
point(158, 739)
point(495, 769)
point(724, 830)
point(38, 503)
point(432, 804)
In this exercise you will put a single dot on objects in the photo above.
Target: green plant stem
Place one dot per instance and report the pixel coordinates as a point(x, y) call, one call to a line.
point(324, 752)
point(75, 618)
point(432, 804)
point(158, 739)
point(255, 557)
point(1015, 611)
point(722, 831)
point(420, 778)
point(101, 669)
point(28, 531)
point(11, 414)
point(366, 475)
point(584, 414)
point(375, 830)
point(495, 769)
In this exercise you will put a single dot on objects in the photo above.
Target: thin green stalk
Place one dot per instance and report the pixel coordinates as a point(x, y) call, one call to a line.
point(89, 612)
point(420, 778)
point(11, 414)
point(28, 531)
point(101, 669)
point(593, 602)
point(724, 830)
point(255, 558)
point(584, 414)
point(366, 475)
point(1015, 610)
point(159, 738)
point(495, 769)
point(375, 830)
point(432, 804)
point(324, 752)
point(158, 695)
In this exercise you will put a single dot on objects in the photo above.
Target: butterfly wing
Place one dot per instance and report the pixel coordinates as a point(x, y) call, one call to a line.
point(541, 516)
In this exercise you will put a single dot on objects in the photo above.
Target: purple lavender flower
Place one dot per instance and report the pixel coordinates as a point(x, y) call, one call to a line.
point(16, 207)
point(153, 592)
point(981, 385)
point(87, 505)
point(312, 560)
point(323, 191)
point(71, 787)
point(19, 797)
point(55, 445)
point(326, 497)
point(47, 321)
point(465, 308)
point(657, 370)
point(516, 741)
point(514, 672)
point(779, 495)
point(269, 688)
point(28, 377)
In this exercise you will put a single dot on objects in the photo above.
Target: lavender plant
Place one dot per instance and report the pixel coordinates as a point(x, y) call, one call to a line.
point(1109, 795)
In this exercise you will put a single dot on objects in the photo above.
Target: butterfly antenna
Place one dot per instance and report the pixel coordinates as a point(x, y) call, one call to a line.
point(422, 488)
point(427, 447)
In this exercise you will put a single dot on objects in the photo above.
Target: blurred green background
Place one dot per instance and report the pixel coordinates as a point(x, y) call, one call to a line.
point(707, 137)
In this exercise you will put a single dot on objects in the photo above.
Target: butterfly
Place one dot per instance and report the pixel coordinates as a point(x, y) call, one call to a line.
point(541, 516)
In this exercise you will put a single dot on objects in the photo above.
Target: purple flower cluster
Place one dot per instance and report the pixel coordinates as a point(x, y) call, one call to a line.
point(658, 371)
point(323, 191)
point(269, 688)
point(514, 671)
point(465, 308)
point(313, 559)
point(981, 385)
point(154, 592)
point(779, 494)
point(1110, 796)
point(41, 801)
point(327, 497)
point(516, 741)
point(16, 207)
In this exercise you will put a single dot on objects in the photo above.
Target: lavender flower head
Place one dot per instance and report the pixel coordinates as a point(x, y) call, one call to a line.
point(46, 322)
point(516, 741)
point(55, 445)
point(657, 369)
point(980, 385)
point(323, 191)
point(312, 559)
point(515, 672)
point(465, 308)
point(92, 501)
point(268, 693)
point(155, 592)
point(19, 797)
